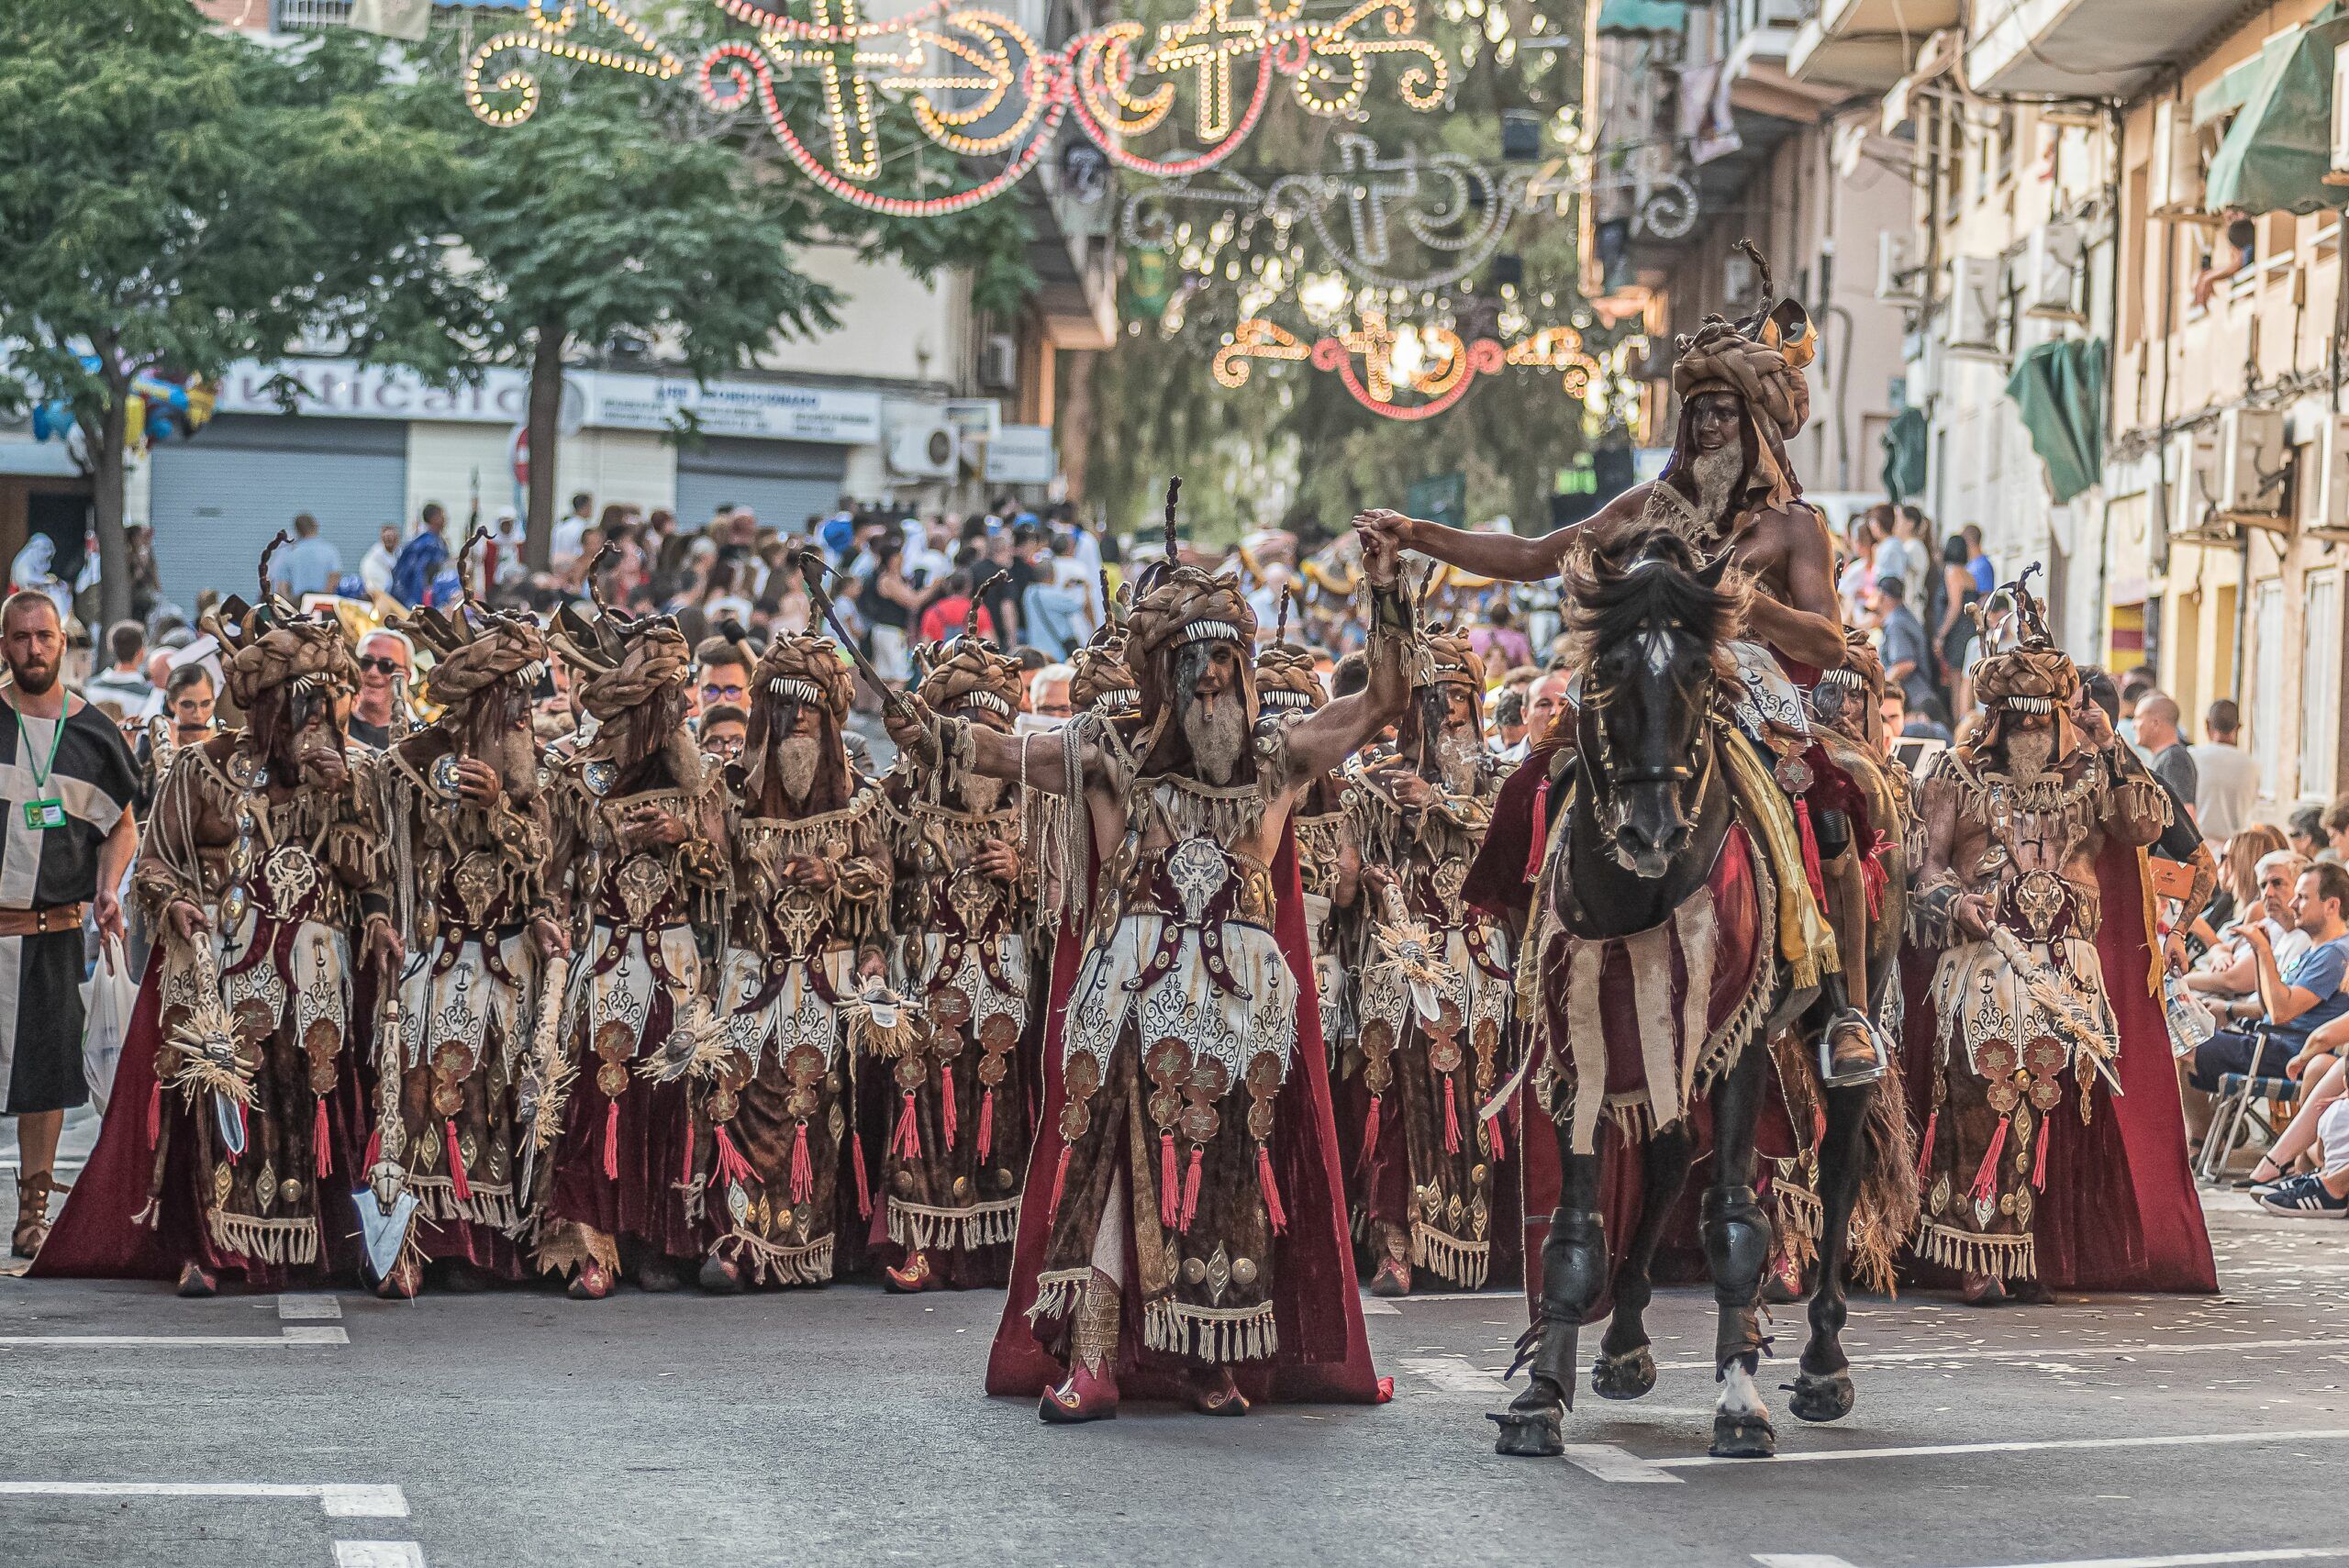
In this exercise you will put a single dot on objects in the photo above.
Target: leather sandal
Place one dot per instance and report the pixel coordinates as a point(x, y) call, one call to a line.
point(32, 1213)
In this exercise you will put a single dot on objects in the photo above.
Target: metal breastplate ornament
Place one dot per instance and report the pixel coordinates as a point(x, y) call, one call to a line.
point(250, 776)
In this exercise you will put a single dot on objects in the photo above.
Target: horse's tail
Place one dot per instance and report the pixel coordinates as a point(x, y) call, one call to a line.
point(1886, 1213)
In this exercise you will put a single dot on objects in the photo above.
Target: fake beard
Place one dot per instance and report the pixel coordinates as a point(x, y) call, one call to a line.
point(1717, 474)
point(795, 766)
point(2028, 752)
point(1217, 735)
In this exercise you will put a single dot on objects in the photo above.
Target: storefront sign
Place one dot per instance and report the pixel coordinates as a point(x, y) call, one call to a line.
point(732, 409)
point(1021, 454)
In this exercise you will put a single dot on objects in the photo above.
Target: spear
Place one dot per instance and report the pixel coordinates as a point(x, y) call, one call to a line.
point(814, 569)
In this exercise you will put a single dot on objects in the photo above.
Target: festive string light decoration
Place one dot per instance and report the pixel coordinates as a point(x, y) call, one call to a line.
point(978, 86)
point(1416, 370)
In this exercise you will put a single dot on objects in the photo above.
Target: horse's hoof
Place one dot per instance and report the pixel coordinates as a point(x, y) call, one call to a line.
point(1744, 1437)
point(1625, 1376)
point(1529, 1434)
point(1822, 1396)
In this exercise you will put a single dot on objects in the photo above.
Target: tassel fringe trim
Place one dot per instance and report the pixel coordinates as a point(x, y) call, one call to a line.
point(436, 1199)
point(1058, 1292)
point(811, 1265)
point(284, 1241)
point(2009, 1257)
point(1464, 1263)
point(962, 1229)
point(1213, 1334)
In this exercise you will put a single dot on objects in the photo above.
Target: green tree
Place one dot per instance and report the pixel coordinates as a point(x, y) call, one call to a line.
point(623, 207)
point(177, 198)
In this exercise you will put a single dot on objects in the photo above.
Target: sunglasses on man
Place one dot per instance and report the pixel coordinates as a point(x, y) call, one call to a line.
point(382, 666)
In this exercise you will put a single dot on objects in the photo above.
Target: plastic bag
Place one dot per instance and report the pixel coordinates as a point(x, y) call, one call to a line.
point(114, 993)
point(2190, 1022)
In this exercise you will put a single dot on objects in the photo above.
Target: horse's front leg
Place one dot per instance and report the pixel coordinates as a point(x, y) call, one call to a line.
point(1574, 1275)
point(1822, 1387)
point(1626, 1366)
point(1737, 1247)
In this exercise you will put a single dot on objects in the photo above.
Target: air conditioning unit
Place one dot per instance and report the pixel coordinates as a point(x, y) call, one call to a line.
point(2339, 174)
point(2331, 460)
point(999, 362)
point(2253, 461)
point(2051, 285)
point(2175, 179)
point(2193, 473)
point(924, 448)
point(1974, 305)
point(1896, 275)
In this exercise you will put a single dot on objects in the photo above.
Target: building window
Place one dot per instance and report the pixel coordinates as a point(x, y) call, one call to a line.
point(296, 15)
point(2321, 684)
point(2267, 684)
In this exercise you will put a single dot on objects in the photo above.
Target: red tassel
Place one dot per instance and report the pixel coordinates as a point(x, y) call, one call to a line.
point(986, 1125)
point(1191, 1188)
point(1925, 1149)
point(1873, 873)
point(375, 1152)
point(1451, 1119)
point(856, 1164)
point(1169, 1187)
point(803, 1168)
point(321, 1157)
point(1273, 1209)
point(1811, 872)
point(907, 1140)
point(1370, 1134)
point(1539, 843)
point(732, 1169)
point(1986, 1180)
point(2039, 1162)
point(687, 1174)
point(1060, 1180)
point(612, 1140)
point(1501, 1143)
point(463, 1188)
point(155, 1114)
point(946, 1101)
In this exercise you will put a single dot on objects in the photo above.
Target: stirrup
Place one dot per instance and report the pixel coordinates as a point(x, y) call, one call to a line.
point(1847, 1068)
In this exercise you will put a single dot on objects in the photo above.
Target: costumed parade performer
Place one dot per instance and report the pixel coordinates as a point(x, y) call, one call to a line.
point(475, 889)
point(264, 859)
point(2029, 833)
point(639, 823)
point(967, 908)
point(1183, 1233)
point(1436, 992)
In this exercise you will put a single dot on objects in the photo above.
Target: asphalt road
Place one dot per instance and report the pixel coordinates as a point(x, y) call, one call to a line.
point(844, 1426)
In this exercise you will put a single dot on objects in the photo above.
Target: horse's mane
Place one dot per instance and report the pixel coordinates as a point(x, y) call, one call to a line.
point(1642, 577)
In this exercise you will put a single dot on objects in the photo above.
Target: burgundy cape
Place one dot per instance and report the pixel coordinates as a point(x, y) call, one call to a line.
point(2120, 1211)
point(96, 1236)
point(1324, 1355)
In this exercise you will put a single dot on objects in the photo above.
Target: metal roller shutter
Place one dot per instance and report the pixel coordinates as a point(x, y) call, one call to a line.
point(786, 482)
point(218, 499)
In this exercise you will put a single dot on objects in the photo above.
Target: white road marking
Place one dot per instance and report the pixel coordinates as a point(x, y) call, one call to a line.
point(1453, 1374)
point(1611, 1463)
point(1374, 1308)
point(291, 1335)
point(378, 1554)
point(2176, 1440)
point(337, 1500)
point(2184, 1560)
point(2055, 1353)
point(308, 1308)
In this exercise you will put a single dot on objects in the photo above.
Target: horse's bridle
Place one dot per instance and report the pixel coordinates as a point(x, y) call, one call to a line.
point(1690, 779)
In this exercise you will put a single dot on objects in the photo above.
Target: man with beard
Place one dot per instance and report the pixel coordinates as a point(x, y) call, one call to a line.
point(265, 855)
point(640, 825)
point(800, 989)
point(474, 889)
point(1183, 1221)
point(2015, 823)
point(1729, 486)
point(66, 787)
point(1436, 996)
point(966, 908)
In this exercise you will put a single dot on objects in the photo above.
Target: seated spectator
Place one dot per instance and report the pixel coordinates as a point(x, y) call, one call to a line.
point(2323, 1079)
point(2273, 1028)
point(2323, 1123)
point(2336, 831)
point(2230, 968)
point(2304, 831)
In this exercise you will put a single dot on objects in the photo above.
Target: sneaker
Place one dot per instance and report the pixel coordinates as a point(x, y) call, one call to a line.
point(2304, 1197)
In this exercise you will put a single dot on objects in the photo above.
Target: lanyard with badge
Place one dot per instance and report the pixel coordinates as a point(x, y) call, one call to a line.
point(42, 814)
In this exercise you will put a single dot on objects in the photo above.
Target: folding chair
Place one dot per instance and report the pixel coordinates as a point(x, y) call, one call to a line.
point(2231, 1109)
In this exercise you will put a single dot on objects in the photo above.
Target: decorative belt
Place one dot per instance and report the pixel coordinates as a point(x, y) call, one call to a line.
point(40, 922)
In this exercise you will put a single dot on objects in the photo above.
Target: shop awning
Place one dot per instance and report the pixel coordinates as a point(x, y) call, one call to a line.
point(2058, 389)
point(1904, 454)
point(2233, 90)
point(1644, 15)
point(2279, 149)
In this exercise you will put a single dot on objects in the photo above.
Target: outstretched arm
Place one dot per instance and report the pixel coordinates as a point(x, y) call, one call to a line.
point(1506, 556)
point(1321, 742)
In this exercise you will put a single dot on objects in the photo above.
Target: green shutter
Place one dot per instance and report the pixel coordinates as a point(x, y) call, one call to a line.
point(2279, 149)
point(2058, 389)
